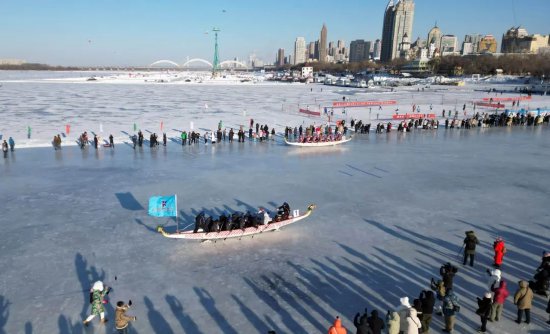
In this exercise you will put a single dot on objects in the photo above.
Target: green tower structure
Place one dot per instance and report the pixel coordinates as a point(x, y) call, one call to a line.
point(216, 62)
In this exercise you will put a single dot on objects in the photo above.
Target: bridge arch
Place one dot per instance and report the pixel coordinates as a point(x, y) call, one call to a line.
point(197, 60)
point(233, 62)
point(164, 61)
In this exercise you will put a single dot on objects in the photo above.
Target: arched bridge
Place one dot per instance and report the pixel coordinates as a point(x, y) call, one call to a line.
point(164, 61)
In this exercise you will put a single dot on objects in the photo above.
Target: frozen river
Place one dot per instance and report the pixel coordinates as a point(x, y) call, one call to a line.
point(391, 208)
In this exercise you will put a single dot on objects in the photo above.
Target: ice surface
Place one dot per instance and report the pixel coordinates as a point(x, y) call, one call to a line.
point(391, 208)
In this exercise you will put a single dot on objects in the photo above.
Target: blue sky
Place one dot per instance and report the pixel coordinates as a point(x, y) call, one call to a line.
point(139, 32)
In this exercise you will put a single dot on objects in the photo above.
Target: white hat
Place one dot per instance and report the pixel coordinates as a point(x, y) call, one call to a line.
point(497, 273)
point(405, 301)
point(98, 286)
point(488, 295)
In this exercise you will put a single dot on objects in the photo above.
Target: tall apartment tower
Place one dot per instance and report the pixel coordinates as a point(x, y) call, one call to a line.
point(398, 22)
point(377, 49)
point(323, 45)
point(311, 50)
point(281, 57)
point(299, 51)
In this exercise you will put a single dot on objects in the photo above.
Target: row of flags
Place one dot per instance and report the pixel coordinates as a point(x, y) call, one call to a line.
point(68, 127)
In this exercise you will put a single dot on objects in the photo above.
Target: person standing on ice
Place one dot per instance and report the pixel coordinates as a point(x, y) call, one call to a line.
point(500, 250)
point(413, 323)
point(183, 138)
point(97, 295)
point(122, 320)
point(12, 144)
point(523, 299)
point(428, 302)
point(470, 243)
point(403, 310)
point(360, 322)
point(499, 297)
point(164, 139)
point(494, 280)
point(134, 141)
point(337, 327)
point(484, 311)
point(111, 141)
point(5, 148)
point(96, 140)
point(450, 308)
point(376, 323)
point(393, 321)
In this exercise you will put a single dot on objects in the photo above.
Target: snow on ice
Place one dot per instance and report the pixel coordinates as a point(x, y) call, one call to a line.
point(391, 208)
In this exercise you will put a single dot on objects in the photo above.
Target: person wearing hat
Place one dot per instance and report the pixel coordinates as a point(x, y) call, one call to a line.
point(484, 310)
point(500, 250)
point(337, 327)
point(97, 295)
point(523, 299)
point(403, 311)
point(494, 279)
point(470, 243)
point(450, 308)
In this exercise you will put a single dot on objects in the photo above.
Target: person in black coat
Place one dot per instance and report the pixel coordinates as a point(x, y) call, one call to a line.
point(484, 310)
point(360, 322)
point(447, 272)
point(376, 323)
point(427, 299)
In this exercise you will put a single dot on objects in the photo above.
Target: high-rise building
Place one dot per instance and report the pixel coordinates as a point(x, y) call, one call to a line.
point(358, 51)
point(434, 38)
point(517, 40)
point(281, 57)
point(471, 44)
point(369, 49)
point(398, 22)
point(299, 51)
point(449, 45)
point(323, 44)
point(311, 50)
point(487, 44)
point(377, 49)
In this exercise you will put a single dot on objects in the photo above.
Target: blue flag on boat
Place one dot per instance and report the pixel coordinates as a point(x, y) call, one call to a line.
point(163, 206)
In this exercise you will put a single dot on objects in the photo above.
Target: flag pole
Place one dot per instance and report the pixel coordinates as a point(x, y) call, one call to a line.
point(177, 222)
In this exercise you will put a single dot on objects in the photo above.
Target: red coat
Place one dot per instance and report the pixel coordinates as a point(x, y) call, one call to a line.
point(501, 293)
point(498, 246)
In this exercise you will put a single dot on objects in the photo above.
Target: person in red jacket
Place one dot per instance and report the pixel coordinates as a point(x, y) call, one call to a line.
point(337, 327)
point(499, 297)
point(500, 249)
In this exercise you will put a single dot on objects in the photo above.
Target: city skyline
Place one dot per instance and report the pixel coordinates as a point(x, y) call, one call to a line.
point(139, 32)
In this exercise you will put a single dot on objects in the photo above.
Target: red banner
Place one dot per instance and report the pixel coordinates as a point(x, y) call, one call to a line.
point(309, 112)
point(362, 104)
point(502, 99)
point(490, 105)
point(407, 116)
